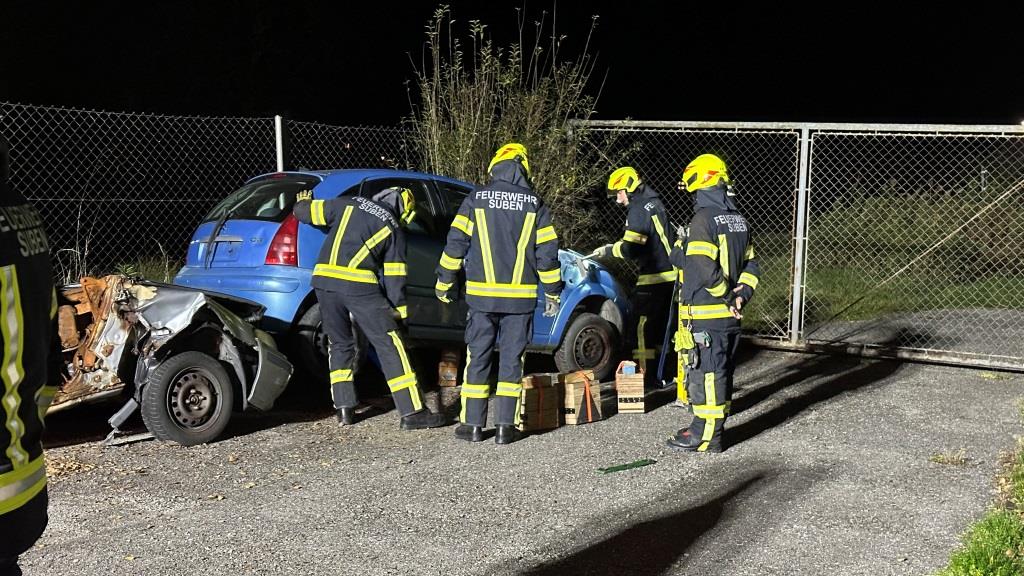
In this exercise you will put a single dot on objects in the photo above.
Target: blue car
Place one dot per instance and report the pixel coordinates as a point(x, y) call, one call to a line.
point(251, 246)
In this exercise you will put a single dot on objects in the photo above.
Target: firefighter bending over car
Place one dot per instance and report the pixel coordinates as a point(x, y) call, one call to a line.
point(504, 239)
point(30, 370)
point(365, 248)
point(648, 240)
point(719, 273)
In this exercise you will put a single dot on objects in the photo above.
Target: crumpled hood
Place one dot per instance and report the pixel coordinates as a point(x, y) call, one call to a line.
point(512, 172)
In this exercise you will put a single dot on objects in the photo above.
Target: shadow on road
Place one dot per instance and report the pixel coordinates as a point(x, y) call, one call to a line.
point(650, 547)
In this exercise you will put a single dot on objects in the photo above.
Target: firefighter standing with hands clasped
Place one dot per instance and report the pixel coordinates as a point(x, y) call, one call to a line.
point(504, 239)
point(719, 273)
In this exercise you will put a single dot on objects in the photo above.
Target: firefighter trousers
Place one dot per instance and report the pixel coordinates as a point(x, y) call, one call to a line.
point(511, 333)
point(646, 338)
point(19, 530)
point(375, 317)
point(709, 385)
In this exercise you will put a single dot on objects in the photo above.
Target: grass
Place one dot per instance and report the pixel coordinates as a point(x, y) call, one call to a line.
point(994, 546)
point(958, 458)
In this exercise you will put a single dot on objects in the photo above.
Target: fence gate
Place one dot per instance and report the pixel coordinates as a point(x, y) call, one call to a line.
point(879, 239)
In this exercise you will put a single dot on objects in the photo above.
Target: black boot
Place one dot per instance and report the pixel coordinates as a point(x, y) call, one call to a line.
point(469, 433)
point(685, 441)
point(346, 415)
point(421, 420)
point(506, 434)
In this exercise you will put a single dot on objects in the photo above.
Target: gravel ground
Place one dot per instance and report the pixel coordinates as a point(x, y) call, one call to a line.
point(829, 472)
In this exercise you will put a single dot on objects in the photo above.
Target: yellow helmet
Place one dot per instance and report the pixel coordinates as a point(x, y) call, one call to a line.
point(510, 151)
point(624, 178)
point(705, 171)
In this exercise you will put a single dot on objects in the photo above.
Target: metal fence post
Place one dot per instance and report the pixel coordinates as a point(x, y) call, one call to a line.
point(800, 239)
point(279, 140)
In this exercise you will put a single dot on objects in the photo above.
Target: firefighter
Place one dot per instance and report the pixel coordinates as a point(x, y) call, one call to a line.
point(30, 370)
point(504, 239)
point(719, 272)
point(364, 248)
point(648, 240)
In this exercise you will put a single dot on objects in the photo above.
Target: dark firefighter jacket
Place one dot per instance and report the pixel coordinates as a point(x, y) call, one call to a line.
point(648, 238)
point(503, 237)
point(364, 248)
point(718, 256)
point(31, 359)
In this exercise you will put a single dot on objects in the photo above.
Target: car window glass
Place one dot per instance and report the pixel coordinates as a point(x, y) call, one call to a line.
point(453, 196)
point(268, 198)
point(424, 221)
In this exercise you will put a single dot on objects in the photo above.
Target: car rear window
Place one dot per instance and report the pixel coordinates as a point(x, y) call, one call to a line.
point(269, 198)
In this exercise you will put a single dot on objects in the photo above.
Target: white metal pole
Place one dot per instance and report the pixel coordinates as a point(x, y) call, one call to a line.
point(279, 137)
point(800, 239)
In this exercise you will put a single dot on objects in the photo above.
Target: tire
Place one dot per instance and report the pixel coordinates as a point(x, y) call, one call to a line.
point(588, 344)
point(188, 400)
point(311, 345)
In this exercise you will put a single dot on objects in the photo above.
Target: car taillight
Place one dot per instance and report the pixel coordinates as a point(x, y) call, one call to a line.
point(284, 248)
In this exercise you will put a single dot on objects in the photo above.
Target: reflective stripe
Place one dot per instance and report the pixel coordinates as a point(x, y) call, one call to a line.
point(345, 273)
point(395, 269)
point(402, 382)
point(22, 484)
point(53, 305)
point(464, 224)
point(723, 254)
point(341, 376)
point(495, 290)
point(442, 286)
point(414, 393)
point(749, 279)
point(661, 233)
point(550, 276)
point(701, 248)
point(617, 249)
point(525, 235)
point(316, 213)
point(13, 371)
point(707, 411)
point(546, 234)
point(340, 234)
point(513, 389)
point(748, 254)
point(718, 290)
point(659, 278)
point(704, 312)
point(642, 354)
point(44, 397)
point(450, 263)
point(476, 391)
point(634, 237)
point(364, 251)
point(403, 312)
point(485, 245)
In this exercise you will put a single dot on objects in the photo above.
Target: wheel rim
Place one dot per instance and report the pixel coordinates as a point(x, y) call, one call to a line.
point(590, 349)
point(193, 400)
point(320, 342)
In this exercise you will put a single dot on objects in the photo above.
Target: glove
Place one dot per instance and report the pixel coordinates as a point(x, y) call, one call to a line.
point(735, 301)
point(682, 233)
point(551, 305)
point(444, 292)
point(601, 252)
point(305, 195)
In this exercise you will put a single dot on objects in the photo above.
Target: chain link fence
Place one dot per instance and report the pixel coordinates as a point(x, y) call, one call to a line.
point(122, 190)
point(884, 240)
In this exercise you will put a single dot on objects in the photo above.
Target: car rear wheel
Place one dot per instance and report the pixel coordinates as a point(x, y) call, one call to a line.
point(188, 400)
point(589, 344)
point(312, 344)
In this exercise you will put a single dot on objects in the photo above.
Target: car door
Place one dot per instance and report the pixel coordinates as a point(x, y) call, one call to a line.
point(452, 196)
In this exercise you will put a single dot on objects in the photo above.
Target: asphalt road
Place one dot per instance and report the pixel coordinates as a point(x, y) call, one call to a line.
point(829, 472)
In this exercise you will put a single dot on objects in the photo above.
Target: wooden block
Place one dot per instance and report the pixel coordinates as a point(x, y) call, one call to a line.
point(630, 391)
point(582, 398)
point(539, 408)
point(544, 380)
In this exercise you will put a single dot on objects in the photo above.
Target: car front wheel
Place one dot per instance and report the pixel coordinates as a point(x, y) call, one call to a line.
point(188, 400)
point(589, 344)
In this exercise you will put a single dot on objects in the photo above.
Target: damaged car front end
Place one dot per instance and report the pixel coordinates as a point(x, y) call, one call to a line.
point(186, 359)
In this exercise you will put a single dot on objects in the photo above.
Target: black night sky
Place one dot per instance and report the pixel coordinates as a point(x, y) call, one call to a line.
point(347, 62)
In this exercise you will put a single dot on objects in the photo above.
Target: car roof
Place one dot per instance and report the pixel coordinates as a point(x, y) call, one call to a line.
point(349, 177)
